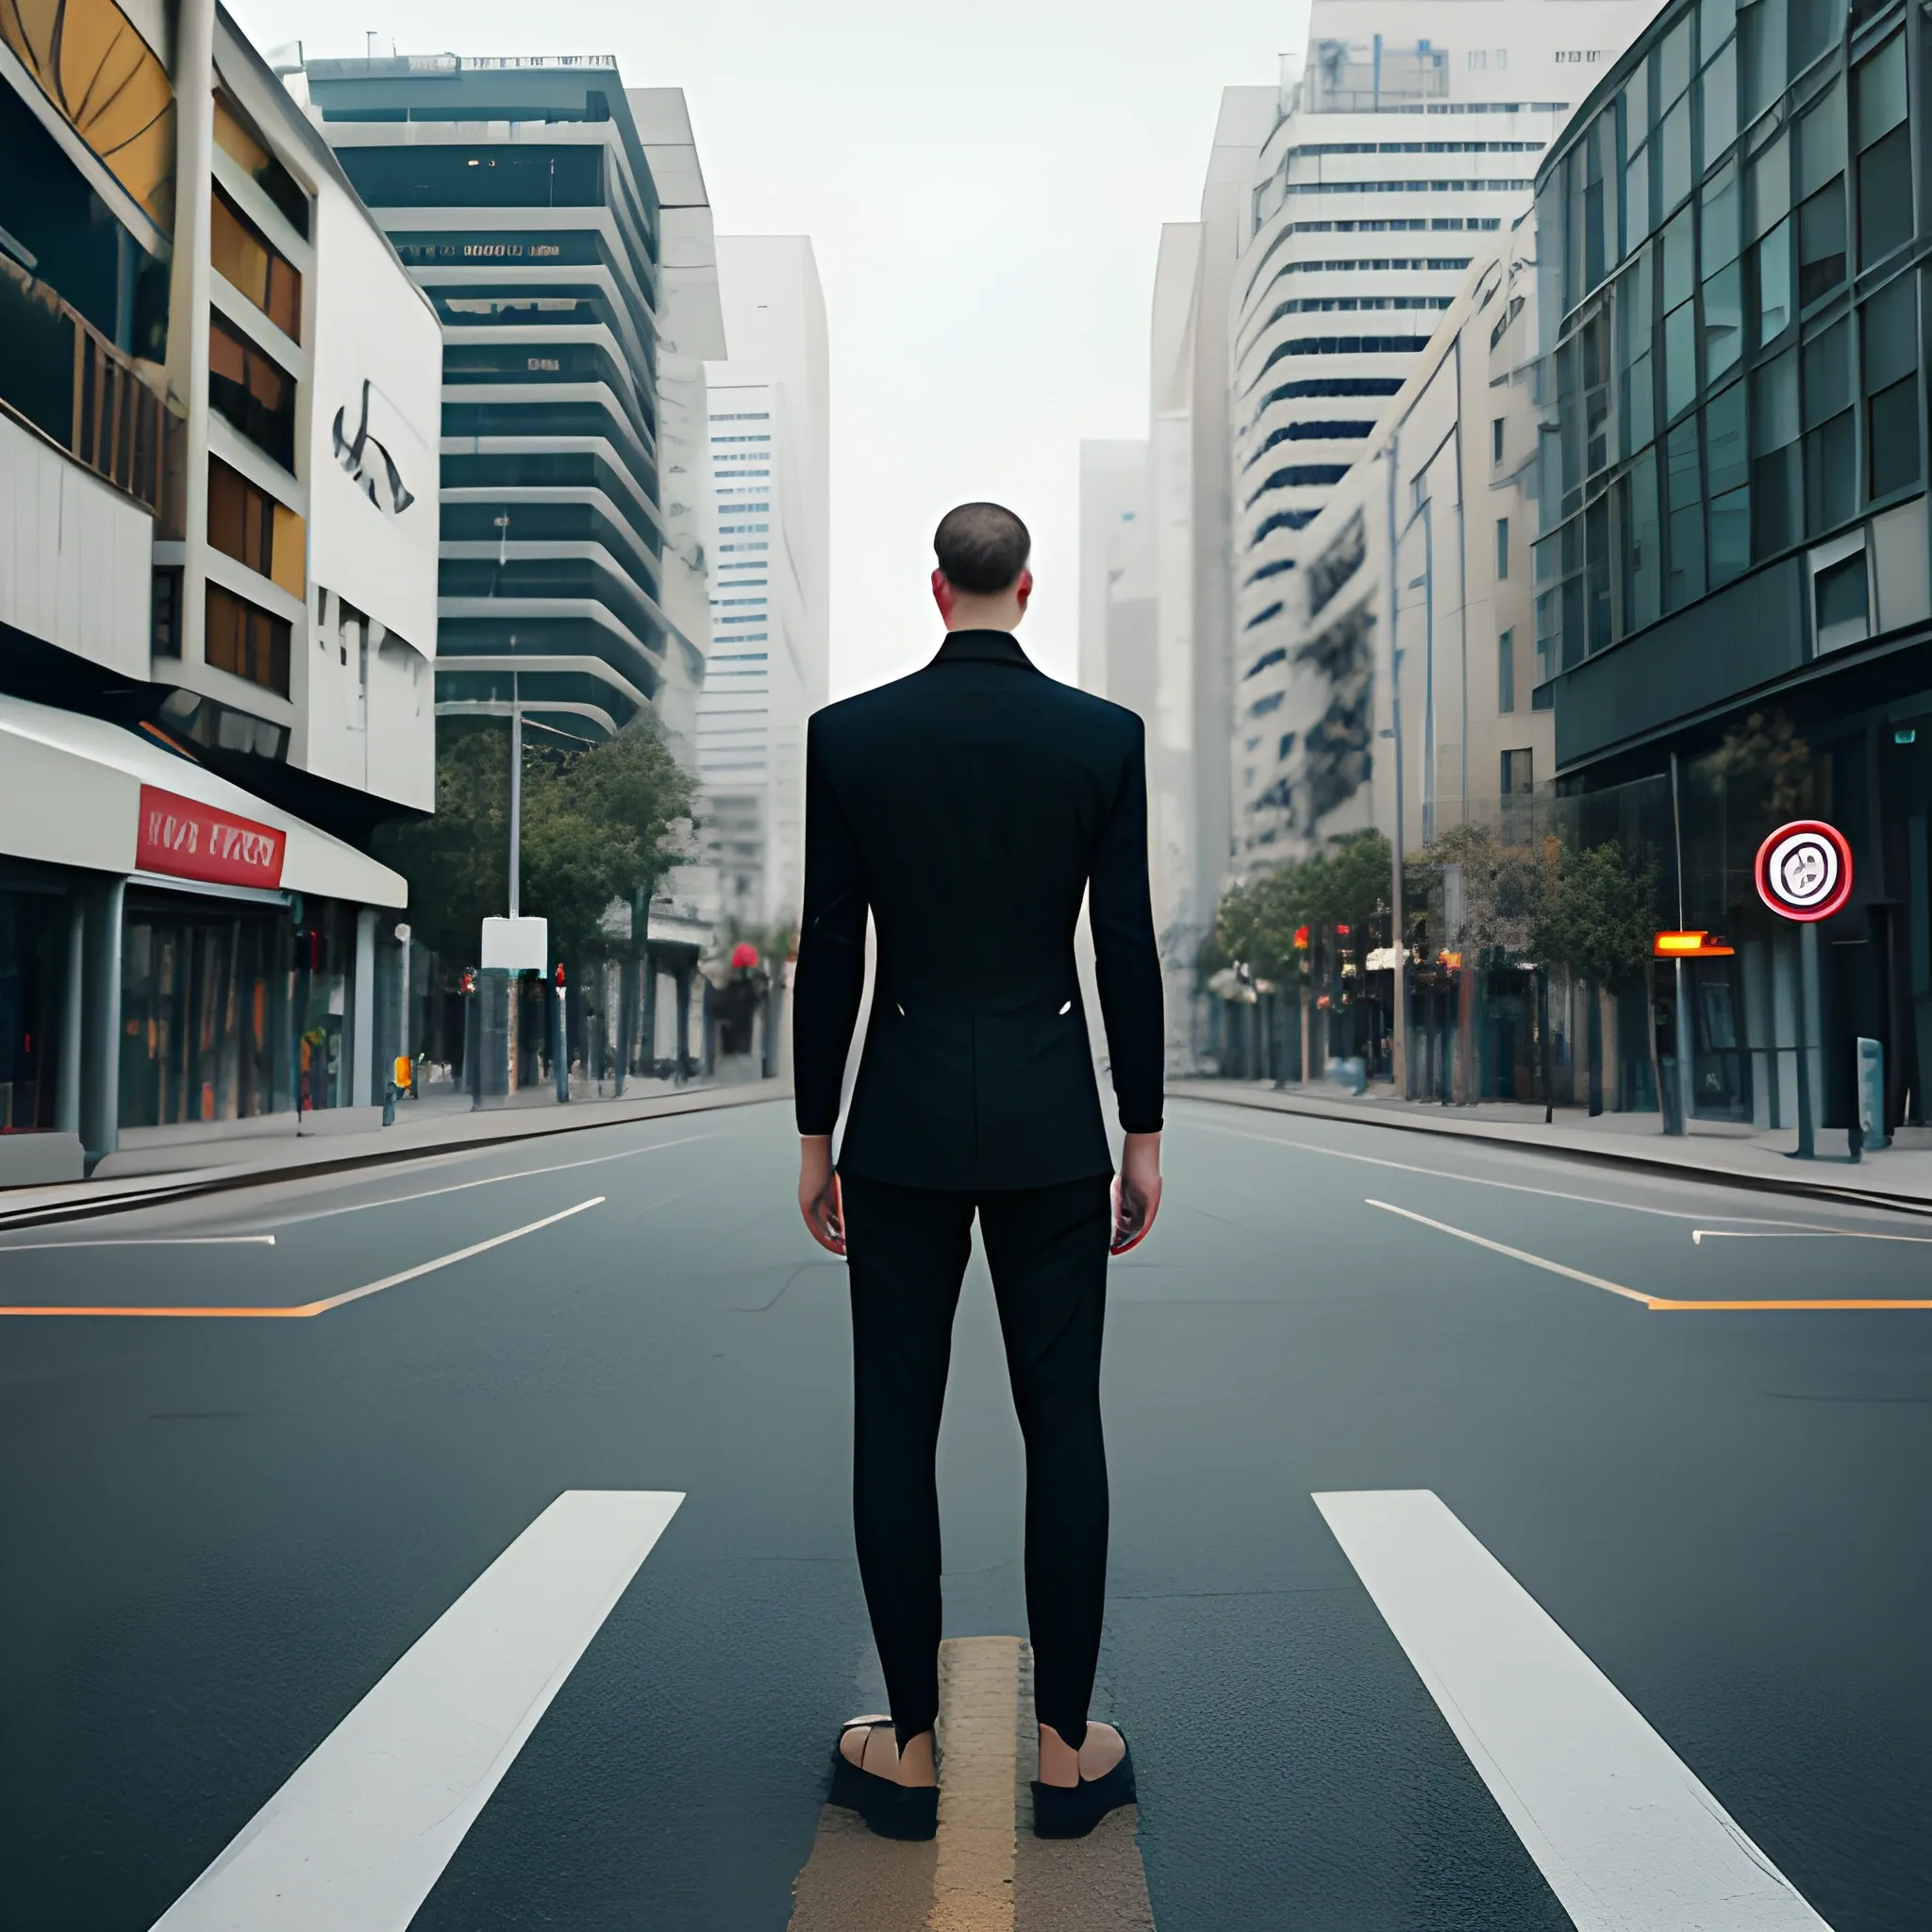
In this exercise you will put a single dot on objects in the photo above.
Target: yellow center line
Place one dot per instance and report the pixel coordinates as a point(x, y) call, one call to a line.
point(973, 1877)
point(304, 1310)
point(1670, 1308)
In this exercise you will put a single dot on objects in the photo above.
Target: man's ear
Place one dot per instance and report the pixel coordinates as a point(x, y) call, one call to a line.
point(943, 593)
point(1024, 589)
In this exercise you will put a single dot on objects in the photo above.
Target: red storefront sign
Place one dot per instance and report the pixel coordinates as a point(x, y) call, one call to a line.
point(188, 839)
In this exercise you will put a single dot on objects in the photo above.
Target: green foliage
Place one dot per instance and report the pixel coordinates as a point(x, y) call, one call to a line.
point(594, 828)
point(1599, 917)
point(1346, 885)
point(1505, 887)
point(1766, 765)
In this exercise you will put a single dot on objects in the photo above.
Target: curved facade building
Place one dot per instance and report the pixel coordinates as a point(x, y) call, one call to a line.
point(1407, 142)
point(524, 198)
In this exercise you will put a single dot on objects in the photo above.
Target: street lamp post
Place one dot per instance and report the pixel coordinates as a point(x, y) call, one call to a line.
point(1676, 1119)
point(1398, 936)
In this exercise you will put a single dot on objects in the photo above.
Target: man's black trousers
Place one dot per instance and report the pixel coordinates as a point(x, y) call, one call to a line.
point(1047, 1248)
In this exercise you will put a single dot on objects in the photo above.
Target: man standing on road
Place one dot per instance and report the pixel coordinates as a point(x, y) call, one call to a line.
point(968, 808)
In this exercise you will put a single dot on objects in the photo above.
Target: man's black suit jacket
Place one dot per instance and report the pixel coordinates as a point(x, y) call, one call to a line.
point(969, 806)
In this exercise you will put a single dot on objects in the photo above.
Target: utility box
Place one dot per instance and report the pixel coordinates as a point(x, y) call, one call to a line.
point(516, 945)
point(1871, 1093)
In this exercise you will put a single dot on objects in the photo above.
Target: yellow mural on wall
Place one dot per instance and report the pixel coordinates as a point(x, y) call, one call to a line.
point(86, 59)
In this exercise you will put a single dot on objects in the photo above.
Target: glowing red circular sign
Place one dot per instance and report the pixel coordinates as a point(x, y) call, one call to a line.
point(1804, 870)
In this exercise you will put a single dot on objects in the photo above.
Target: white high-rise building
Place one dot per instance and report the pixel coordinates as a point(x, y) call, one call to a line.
point(1156, 560)
point(1406, 144)
point(768, 539)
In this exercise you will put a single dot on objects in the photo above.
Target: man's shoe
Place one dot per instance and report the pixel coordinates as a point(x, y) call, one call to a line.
point(890, 1808)
point(1074, 1811)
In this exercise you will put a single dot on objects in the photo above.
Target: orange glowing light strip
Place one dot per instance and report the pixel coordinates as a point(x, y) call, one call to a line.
point(1691, 945)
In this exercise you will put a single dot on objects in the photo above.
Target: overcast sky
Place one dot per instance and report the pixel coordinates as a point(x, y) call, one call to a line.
point(984, 182)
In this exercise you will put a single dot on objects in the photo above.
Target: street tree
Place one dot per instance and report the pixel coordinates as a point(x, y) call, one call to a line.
point(594, 830)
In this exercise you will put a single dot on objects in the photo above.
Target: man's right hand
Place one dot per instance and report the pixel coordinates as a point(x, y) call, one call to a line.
point(1136, 1192)
point(819, 1197)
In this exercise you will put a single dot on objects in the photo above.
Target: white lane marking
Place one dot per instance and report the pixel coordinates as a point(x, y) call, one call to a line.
point(361, 1832)
point(1463, 1234)
point(1477, 1180)
point(1700, 1235)
point(356, 1294)
point(148, 1241)
point(488, 1181)
point(1628, 1836)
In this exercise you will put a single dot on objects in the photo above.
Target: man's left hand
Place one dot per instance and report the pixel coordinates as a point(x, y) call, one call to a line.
point(819, 1197)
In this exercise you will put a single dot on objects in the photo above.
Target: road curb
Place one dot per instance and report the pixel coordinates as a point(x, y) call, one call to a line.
point(225, 1180)
point(1297, 1107)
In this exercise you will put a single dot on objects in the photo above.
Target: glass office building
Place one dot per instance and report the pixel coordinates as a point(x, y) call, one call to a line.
point(1732, 581)
point(520, 195)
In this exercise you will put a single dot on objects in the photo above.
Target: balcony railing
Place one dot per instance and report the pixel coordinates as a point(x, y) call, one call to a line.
point(70, 382)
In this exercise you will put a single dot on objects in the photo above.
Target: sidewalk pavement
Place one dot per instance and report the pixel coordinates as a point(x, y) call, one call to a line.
point(443, 1125)
point(1899, 1177)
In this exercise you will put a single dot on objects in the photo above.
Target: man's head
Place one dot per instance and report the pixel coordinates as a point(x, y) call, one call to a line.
point(982, 582)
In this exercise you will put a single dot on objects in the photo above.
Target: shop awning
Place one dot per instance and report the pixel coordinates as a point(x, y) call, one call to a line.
point(76, 790)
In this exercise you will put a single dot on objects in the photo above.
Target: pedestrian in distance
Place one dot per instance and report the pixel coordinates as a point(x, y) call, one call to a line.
point(968, 808)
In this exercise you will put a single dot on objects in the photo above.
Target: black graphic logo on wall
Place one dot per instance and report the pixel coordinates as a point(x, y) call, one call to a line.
point(371, 467)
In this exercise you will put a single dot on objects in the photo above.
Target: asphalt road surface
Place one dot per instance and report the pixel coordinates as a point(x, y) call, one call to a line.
point(1610, 1612)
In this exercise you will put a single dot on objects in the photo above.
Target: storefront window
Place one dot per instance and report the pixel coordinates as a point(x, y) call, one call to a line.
point(33, 952)
point(325, 960)
point(204, 1013)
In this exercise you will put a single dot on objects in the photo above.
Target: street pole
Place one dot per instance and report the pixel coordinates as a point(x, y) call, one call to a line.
point(1398, 934)
point(1807, 980)
point(1677, 1120)
point(516, 795)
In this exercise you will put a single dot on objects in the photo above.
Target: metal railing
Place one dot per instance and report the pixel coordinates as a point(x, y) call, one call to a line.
point(64, 376)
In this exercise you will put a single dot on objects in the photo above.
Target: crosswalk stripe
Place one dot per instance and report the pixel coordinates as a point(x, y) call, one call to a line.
point(360, 1834)
point(1626, 1836)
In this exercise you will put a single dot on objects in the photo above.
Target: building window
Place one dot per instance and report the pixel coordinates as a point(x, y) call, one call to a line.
point(1726, 467)
point(1684, 582)
point(1496, 440)
point(1518, 774)
point(1885, 152)
point(1718, 90)
point(1775, 519)
point(241, 253)
point(255, 394)
point(1641, 553)
point(1830, 468)
point(238, 141)
point(1890, 364)
point(252, 527)
point(1506, 673)
point(1761, 36)
point(1841, 607)
point(165, 614)
point(246, 642)
point(1502, 547)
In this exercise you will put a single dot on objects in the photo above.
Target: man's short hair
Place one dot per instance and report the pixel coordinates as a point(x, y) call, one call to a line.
point(981, 548)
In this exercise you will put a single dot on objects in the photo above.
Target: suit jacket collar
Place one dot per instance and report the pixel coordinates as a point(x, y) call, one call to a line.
point(983, 647)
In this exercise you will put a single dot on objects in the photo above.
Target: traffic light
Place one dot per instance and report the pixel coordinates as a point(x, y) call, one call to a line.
point(560, 976)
